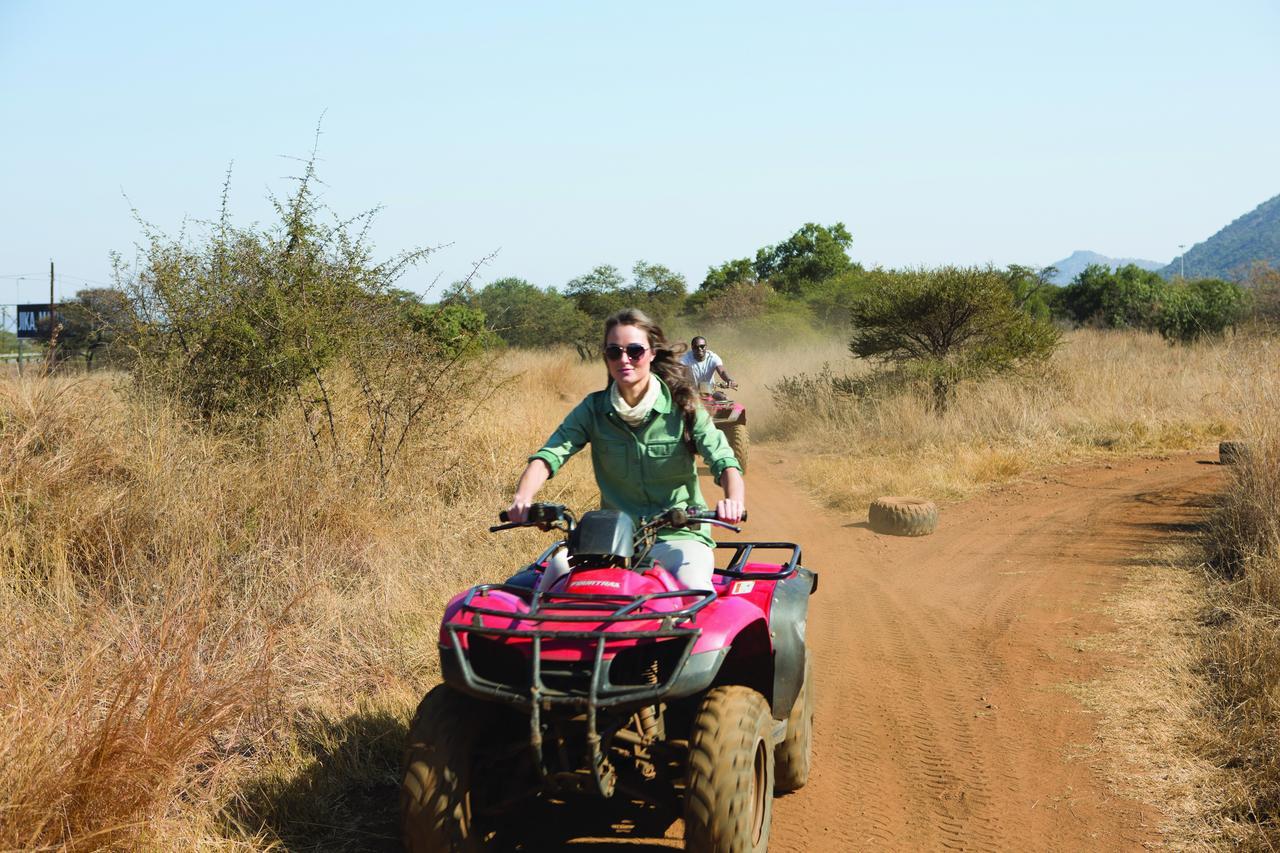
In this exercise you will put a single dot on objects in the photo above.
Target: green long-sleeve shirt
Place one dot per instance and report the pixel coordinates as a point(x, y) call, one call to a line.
point(641, 470)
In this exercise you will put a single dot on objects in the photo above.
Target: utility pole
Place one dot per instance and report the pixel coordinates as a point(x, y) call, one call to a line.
point(17, 294)
point(1182, 258)
point(53, 332)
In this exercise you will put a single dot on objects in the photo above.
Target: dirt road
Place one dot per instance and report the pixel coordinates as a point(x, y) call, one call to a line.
point(942, 722)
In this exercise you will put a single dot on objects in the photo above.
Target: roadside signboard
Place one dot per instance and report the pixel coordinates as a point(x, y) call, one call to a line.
point(33, 321)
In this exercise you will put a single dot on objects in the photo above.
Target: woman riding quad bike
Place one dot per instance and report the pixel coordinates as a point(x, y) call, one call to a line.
point(622, 660)
point(644, 430)
point(616, 681)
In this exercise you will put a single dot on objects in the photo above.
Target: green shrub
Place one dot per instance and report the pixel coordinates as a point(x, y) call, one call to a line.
point(947, 325)
point(525, 315)
point(1129, 297)
point(240, 323)
point(1195, 309)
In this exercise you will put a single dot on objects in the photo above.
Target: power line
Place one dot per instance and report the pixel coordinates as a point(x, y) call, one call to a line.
point(85, 280)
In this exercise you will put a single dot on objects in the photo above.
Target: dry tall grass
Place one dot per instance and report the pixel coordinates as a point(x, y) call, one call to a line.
point(216, 640)
point(1244, 648)
point(1104, 393)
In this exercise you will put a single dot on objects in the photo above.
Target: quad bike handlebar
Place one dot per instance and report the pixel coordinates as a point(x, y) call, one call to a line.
point(684, 517)
point(544, 515)
point(548, 516)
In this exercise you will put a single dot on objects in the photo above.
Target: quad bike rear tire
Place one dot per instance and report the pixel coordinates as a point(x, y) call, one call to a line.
point(791, 757)
point(901, 516)
point(728, 801)
point(739, 442)
point(436, 788)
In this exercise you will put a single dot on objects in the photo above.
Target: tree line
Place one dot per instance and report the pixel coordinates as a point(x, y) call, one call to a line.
point(248, 320)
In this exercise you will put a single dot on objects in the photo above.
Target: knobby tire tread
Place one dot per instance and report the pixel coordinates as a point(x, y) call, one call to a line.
point(719, 810)
point(792, 756)
point(739, 442)
point(900, 516)
point(436, 774)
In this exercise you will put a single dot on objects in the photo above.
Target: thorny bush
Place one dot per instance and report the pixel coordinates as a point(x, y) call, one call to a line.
point(244, 323)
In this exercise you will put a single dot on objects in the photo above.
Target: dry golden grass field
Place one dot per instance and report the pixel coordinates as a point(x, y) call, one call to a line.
point(216, 641)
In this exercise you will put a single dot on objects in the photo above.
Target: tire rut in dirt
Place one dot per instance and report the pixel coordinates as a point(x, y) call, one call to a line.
point(729, 789)
point(946, 776)
point(933, 761)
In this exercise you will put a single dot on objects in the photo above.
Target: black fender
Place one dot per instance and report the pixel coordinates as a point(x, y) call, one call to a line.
point(788, 615)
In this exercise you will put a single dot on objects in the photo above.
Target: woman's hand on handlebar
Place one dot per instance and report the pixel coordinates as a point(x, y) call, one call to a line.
point(518, 512)
point(730, 510)
point(536, 473)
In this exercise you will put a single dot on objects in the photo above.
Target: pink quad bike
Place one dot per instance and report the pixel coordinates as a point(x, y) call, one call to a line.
point(616, 682)
point(729, 416)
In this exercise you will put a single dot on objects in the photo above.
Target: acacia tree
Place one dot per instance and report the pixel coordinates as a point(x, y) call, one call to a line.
point(813, 254)
point(93, 322)
point(237, 325)
point(947, 325)
point(728, 274)
point(658, 289)
point(525, 315)
point(654, 288)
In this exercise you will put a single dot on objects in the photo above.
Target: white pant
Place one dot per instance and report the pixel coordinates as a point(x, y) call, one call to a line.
point(692, 563)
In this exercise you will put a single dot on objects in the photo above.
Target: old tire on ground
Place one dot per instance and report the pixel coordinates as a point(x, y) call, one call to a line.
point(1232, 452)
point(902, 516)
point(739, 442)
point(728, 801)
point(791, 756)
point(436, 788)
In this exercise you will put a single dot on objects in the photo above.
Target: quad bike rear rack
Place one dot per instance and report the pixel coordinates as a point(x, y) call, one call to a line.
point(742, 552)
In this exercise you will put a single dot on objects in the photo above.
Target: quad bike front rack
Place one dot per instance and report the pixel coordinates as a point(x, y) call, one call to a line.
point(529, 689)
point(599, 609)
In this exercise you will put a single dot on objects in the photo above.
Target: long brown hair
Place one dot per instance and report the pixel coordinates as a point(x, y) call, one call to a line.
point(666, 364)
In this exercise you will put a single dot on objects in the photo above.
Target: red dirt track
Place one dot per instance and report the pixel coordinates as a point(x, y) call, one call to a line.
point(941, 721)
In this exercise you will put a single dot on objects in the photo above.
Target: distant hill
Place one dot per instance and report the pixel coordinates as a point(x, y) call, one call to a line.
point(1069, 268)
point(1229, 253)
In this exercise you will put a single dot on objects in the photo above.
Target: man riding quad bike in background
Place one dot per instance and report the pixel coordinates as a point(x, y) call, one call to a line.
point(616, 681)
point(729, 417)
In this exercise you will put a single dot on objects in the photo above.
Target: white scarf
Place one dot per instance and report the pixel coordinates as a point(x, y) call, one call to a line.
point(634, 415)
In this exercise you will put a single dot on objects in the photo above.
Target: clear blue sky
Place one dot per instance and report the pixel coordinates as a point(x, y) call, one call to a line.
point(568, 134)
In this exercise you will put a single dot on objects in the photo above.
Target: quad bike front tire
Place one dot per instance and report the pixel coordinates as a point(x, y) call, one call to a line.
point(791, 756)
point(728, 801)
point(739, 442)
point(903, 516)
point(436, 788)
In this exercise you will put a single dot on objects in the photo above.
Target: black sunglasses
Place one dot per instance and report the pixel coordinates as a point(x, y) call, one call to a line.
point(635, 352)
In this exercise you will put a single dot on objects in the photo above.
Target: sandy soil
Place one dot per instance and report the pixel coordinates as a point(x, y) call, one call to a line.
point(945, 664)
point(942, 722)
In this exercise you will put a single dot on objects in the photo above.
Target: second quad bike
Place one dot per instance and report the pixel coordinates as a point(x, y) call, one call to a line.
point(729, 416)
point(615, 681)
